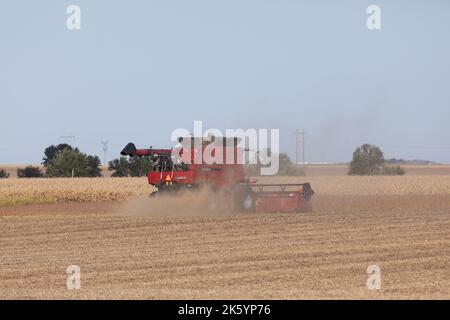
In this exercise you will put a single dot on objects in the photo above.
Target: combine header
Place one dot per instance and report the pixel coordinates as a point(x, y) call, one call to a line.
point(185, 172)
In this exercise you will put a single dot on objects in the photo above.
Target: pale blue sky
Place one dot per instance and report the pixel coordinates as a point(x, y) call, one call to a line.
point(139, 69)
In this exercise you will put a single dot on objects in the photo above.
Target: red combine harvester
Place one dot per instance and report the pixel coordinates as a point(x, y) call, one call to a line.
point(173, 173)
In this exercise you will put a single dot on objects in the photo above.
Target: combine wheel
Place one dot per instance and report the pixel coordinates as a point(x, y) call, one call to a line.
point(244, 199)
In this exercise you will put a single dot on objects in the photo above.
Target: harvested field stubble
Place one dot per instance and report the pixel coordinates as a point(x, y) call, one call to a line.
point(401, 224)
point(256, 256)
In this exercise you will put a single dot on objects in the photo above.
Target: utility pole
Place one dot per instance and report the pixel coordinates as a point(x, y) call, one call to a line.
point(67, 139)
point(303, 147)
point(105, 150)
point(299, 133)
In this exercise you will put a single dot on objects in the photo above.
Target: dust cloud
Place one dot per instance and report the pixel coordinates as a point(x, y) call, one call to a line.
point(200, 202)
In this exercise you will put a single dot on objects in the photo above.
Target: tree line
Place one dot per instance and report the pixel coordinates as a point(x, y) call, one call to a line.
point(63, 160)
point(369, 160)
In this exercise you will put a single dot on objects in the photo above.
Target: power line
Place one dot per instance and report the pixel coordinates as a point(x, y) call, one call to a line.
point(299, 133)
point(105, 150)
point(67, 139)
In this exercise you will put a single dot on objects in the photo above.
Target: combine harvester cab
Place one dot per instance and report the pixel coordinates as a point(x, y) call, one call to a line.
point(172, 175)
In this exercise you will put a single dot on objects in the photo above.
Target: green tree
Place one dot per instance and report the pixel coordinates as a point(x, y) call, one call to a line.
point(3, 174)
point(367, 160)
point(140, 166)
point(68, 161)
point(132, 167)
point(52, 151)
point(120, 167)
point(61, 166)
point(94, 166)
point(288, 168)
point(30, 172)
point(393, 171)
